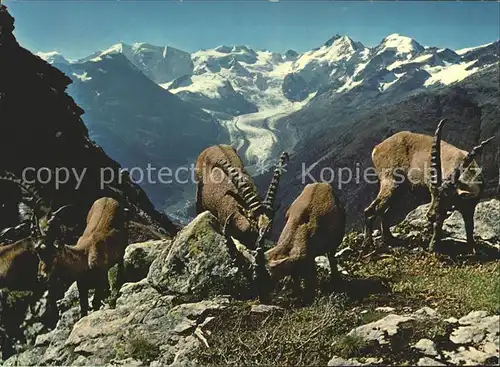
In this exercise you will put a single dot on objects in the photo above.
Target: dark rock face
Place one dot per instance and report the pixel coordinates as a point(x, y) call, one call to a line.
point(291, 55)
point(295, 88)
point(484, 55)
point(41, 129)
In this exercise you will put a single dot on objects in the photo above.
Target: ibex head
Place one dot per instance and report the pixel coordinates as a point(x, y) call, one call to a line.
point(464, 182)
point(45, 232)
point(44, 221)
point(259, 213)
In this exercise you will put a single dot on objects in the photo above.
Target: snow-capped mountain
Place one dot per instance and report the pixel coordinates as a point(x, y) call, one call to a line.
point(53, 57)
point(255, 93)
point(159, 63)
point(237, 80)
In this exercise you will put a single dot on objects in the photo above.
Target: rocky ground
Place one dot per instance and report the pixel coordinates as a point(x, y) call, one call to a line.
point(190, 301)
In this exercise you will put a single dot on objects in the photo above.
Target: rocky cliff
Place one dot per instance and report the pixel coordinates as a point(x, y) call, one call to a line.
point(41, 130)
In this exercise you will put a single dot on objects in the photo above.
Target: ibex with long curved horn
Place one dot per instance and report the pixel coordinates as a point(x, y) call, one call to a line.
point(418, 160)
point(227, 191)
point(460, 189)
point(19, 260)
point(18, 265)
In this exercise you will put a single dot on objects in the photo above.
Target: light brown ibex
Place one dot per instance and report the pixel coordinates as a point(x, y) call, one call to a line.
point(101, 246)
point(418, 160)
point(315, 225)
point(227, 191)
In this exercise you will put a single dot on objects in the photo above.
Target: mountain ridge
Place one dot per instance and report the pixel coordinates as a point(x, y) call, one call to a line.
point(267, 102)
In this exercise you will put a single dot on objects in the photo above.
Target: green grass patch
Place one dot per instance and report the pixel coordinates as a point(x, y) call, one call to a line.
point(312, 335)
point(454, 289)
point(349, 346)
point(138, 348)
point(303, 336)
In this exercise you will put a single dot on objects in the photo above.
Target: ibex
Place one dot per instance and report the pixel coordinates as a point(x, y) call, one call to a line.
point(315, 225)
point(227, 191)
point(19, 260)
point(421, 161)
point(18, 265)
point(101, 246)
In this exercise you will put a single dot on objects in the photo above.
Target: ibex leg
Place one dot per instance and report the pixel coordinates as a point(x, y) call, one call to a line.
point(52, 311)
point(334, 271)
point(386, 230)
point(377, 207)
point(199, 197)
point(100, 291)
point(261, 276)
point(83, 293)
point(116, 284)
point(468, 215)
point(437, 228)
point(310, 281)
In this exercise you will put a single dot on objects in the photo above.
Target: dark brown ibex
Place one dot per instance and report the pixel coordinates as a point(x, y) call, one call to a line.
point(18, 265)
point(315, 225)
point(18, 260)
point(101, 246)
point(227, 191)
point(419, 160)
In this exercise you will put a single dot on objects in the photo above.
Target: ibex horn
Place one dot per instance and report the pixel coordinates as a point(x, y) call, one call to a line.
point(54, 214)
point(453, 177)
point(436, 172)
point(35, 227)
point(5, 231)
point(31, 190)
point(273, 186)
point(244, 189)
point(226, 223)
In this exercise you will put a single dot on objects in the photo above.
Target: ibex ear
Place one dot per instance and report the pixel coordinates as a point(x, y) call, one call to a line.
point(56, 244)
point(40, 246)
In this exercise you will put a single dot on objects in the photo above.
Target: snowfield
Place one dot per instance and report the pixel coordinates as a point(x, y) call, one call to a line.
point(451, 73)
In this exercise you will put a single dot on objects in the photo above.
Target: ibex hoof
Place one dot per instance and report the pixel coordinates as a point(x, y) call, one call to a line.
point(112, 303)
point(368, 242)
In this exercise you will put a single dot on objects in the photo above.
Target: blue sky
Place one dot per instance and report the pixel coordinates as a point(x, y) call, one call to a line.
point(78, 28)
